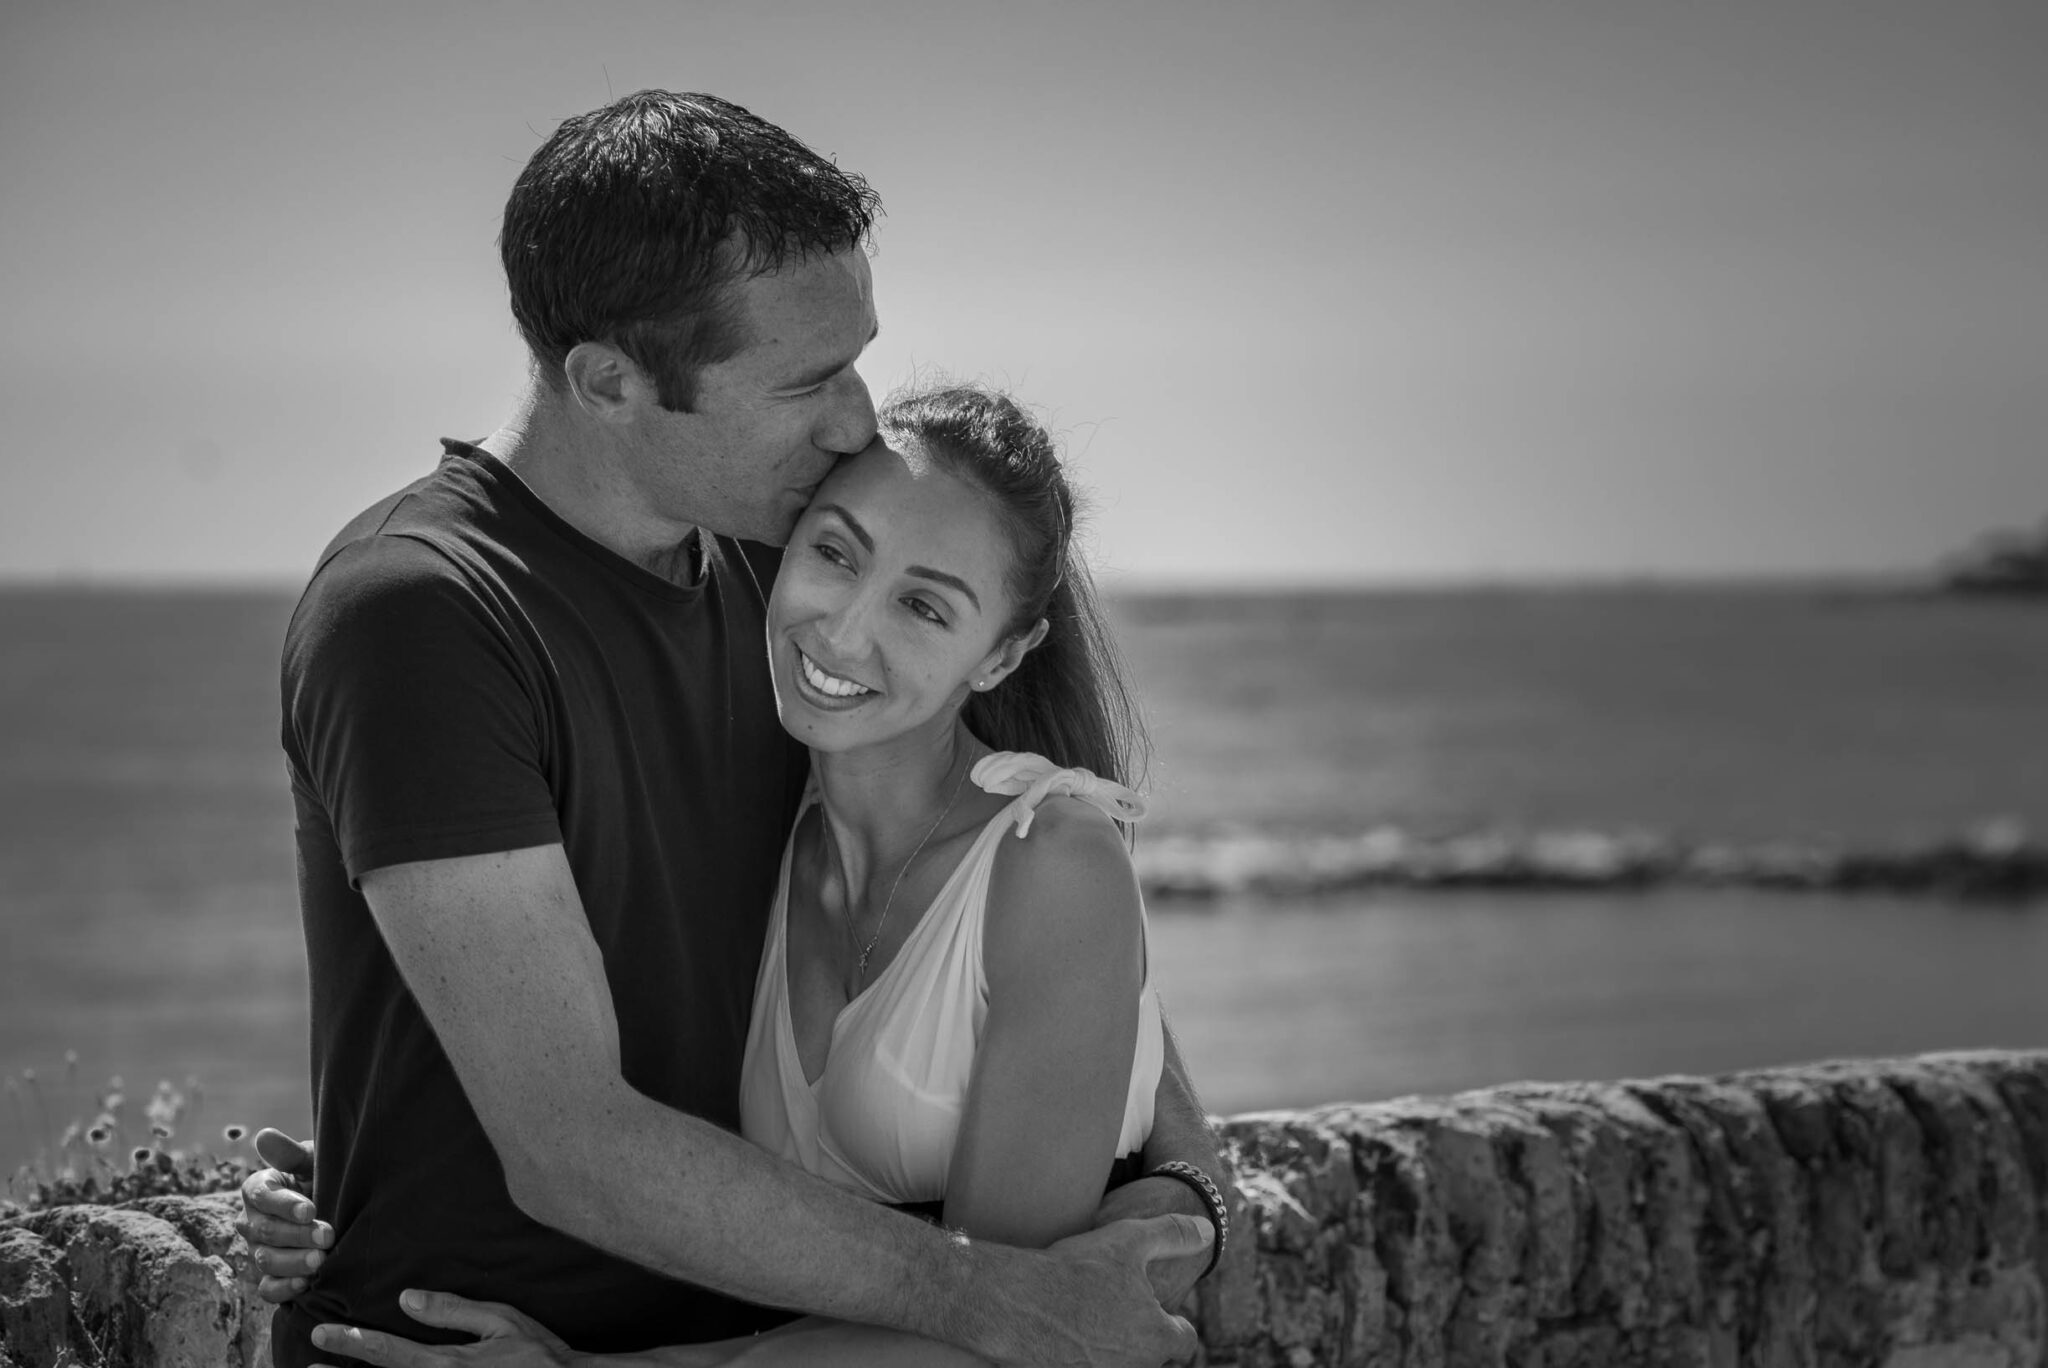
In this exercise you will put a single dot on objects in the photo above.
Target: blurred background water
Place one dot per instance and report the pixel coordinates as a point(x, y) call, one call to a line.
point(151, 921)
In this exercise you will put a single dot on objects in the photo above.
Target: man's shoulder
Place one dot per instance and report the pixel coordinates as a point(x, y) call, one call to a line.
point(380, 569)
point(406, 560)
point(435, 512)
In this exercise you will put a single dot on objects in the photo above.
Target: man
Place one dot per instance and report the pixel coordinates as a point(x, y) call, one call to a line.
point(542, 791)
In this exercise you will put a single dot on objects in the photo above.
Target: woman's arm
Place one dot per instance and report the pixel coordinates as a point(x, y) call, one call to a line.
point(1063, 951)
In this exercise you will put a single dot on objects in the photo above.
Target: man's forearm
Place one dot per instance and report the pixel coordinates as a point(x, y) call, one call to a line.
point(1180, 1127)
point(685, 1198)
point(1180, 1131)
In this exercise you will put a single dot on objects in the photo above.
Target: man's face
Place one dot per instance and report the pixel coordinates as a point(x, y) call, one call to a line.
point(771, 421)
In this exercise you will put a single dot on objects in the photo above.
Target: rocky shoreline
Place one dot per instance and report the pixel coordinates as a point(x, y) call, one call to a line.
point(1884, 1212)
point(1994, 860)
point(2012, 564)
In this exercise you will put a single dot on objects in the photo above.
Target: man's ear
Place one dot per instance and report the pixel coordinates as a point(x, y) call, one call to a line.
point(1005, 659)
point(605, 382)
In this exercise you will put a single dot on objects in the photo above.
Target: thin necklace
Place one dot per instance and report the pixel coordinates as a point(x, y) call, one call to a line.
point(869, 948)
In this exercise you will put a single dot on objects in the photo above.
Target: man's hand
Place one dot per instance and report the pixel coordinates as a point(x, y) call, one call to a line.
point(277, 1218)
point(1094, 1305)
point(1180, 1131)
point(506, 1337)
point(1172, 1278)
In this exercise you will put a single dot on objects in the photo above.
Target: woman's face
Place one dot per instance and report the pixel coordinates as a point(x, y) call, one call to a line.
point(888, 606)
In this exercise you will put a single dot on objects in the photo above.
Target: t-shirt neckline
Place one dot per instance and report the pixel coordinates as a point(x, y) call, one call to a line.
point(505, 478)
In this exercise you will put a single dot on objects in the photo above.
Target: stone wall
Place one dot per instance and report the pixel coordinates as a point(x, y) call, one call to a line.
point(1889, 1212)
point(163, 1282)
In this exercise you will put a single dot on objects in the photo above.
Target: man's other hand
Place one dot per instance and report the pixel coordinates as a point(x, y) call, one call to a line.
point(1097, 1306)
point(506, 1337)
point(277, 1217)
point(1172, 1278)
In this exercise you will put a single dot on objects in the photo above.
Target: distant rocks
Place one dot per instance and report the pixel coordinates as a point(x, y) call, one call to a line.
point(1995, 859)
point(2002, 563)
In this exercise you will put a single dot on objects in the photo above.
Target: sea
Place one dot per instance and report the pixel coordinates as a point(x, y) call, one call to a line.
point(151, 930)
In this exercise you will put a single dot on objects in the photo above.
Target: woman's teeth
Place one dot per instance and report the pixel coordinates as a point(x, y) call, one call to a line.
point(829, 684)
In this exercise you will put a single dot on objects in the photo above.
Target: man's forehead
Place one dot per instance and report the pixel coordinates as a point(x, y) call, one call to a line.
point(835, 283)
point(807, 310)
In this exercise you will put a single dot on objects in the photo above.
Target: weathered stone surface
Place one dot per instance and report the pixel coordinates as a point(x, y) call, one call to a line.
point(35, 1307)
point(1885, 1212)
point(1852, 1213)
point(161, 1283)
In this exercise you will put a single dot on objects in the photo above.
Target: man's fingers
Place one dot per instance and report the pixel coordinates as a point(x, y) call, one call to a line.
point(374, 1346)
point(280, 1289)
point(1186, 1343)
point(283, 1233)
point(270, 1191)
point(485, 1320)
point(1174, 1236)
point(280, 1151)
point(286, 1263)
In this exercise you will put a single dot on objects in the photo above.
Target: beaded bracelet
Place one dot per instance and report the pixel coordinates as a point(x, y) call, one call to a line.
point(1212, 1201)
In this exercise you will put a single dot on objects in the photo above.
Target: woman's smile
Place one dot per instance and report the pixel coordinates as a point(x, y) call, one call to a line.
point(838, 689)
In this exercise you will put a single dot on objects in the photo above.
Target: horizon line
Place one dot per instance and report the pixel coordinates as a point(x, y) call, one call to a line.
point(1142, 584)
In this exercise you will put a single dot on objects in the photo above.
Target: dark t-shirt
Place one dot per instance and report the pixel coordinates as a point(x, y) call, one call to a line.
point(468, 673)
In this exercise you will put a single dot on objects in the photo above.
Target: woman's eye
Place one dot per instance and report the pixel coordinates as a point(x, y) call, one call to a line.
point(926, 611)
point(833, 554)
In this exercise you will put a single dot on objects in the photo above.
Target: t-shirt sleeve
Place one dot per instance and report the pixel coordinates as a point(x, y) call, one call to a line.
point(411, 711)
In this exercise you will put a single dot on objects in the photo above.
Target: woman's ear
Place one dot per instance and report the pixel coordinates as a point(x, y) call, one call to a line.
point(1004, 660)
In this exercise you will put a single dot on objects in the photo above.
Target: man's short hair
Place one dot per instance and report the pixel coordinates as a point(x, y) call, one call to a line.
point(629, 222)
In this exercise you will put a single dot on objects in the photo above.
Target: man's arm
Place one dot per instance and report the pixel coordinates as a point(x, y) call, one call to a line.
point(1180, 1126)
point(498, 952)
point(1180, 1131)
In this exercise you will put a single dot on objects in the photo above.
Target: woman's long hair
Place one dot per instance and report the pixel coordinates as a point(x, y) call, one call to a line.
point(1068, 700)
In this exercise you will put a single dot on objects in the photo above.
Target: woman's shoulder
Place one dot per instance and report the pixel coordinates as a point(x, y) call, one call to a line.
point(1067, 887)
point(1065, 829)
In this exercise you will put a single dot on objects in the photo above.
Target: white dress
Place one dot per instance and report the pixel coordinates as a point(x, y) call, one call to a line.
point(882, 1118)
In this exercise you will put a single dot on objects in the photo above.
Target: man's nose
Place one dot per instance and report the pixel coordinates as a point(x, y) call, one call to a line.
point(850, 422)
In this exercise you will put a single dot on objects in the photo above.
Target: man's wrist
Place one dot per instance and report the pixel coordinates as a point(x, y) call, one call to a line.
point(1142, 1198)
point(1214, 1205)
point(965, 1303)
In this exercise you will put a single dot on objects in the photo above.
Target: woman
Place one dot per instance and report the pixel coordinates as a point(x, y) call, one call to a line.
point(953, 1010)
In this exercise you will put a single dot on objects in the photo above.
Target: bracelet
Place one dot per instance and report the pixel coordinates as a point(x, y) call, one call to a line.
point(1212, 1202)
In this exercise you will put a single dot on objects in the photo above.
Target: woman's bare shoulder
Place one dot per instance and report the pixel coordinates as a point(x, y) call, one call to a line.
point(1069, 882)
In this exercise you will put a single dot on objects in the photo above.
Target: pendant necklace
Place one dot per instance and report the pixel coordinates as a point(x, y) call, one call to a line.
point(869, 948)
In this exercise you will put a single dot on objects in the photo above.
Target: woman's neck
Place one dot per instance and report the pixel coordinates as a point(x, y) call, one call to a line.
point(881, 801)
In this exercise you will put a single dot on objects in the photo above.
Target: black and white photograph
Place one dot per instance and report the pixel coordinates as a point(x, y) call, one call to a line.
point(1331, 682)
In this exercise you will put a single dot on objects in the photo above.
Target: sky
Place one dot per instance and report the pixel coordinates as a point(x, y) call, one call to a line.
point(1344, 292)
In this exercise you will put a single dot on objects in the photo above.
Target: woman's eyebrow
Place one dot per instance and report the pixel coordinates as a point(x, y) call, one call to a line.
point(950, 581)
point(860, 533)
